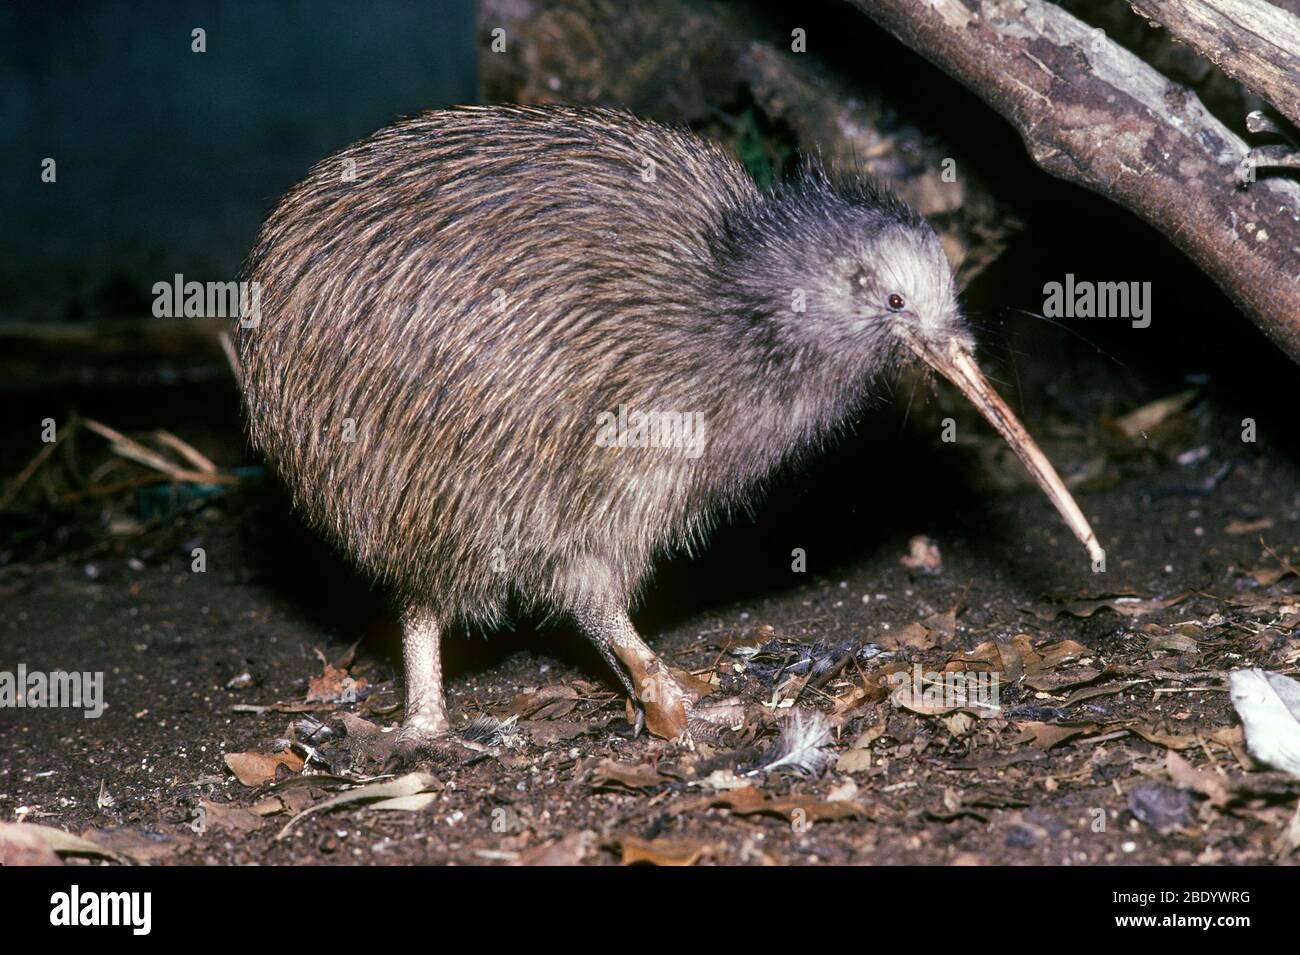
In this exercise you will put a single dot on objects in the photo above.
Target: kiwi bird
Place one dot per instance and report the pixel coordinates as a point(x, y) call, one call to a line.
point(506, 356)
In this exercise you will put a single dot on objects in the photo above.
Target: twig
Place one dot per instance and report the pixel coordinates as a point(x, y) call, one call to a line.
point(35, 463)
point(1278, 557)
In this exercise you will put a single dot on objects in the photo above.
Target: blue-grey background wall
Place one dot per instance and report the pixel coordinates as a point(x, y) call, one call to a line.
point(168, 159)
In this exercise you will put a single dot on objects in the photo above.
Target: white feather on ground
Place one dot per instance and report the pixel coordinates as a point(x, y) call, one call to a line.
point(803, 746)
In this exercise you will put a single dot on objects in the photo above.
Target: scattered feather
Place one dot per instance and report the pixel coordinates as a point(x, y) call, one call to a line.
point(804, 746)
point(488, 731)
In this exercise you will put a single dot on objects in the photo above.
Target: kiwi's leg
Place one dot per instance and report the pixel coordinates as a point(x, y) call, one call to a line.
point(425, 724)
point(665, 703)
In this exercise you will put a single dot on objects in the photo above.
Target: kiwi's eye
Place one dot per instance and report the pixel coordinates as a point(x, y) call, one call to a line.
point(896, 302)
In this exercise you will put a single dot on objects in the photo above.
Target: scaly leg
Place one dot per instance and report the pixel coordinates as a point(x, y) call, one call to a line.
point(666, 703)
point(425, 723)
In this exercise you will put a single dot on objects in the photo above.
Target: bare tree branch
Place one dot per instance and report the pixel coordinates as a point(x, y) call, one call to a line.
point(1254, 42)
point(1093, 113)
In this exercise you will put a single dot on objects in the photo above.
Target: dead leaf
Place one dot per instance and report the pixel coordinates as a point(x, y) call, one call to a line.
point(391, 792)
point(1089, 692)
point(1205, 782)
point(572, 849)
point(138, 845)
point(545, 703)
point(412, 803)
point(257, 769)
point(1235, 739)
point(804, 809)
point(1167, 740)
point(1268, 576)
point(26, 844)
point(611, 774)
point(912, 636)
point(1058, 654)
point(333, 685)
point(1137, 423)
point(662, 852)
point(1069, 679)
point(1126, 605)
point(1047, 735)
point(232, 818)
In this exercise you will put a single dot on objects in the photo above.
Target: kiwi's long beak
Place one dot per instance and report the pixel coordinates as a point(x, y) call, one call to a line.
point(958, 366)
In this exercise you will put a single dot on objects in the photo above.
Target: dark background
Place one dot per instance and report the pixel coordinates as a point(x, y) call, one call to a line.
point(168, 159)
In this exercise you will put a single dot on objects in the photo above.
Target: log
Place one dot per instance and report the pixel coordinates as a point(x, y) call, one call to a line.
point(1254, 42)
point(1092, 113)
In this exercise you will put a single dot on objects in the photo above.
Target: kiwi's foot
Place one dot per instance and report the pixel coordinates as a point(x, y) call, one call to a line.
point(417, 745)
point(709, 721)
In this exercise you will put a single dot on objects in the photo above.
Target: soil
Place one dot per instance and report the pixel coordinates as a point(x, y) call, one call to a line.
point(1075, 767)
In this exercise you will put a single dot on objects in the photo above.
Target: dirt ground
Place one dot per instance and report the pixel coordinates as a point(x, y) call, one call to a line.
point(1115, 741)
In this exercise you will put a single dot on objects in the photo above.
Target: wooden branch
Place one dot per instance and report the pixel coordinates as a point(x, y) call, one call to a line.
point(1253, 41)
point(1093, 113)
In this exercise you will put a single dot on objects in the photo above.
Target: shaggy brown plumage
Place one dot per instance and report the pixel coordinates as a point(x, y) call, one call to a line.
point(462, 314)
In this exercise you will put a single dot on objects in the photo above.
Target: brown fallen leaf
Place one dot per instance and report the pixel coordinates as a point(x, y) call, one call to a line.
point(1090, 692)
point(550, 732)
point(215, 815)
point(256, 769)
point(1167, 740)
point(1126, 605)
point(611, 774)
point(1047, 735)
point(1234, 738)
point(912, 636)
point(750, 801)
point(985, 658)
point(572, 849)
point(1268, 576)
point(1138, 423)
point(392, 794)
point(24, 844)
point(1058, 654)
point(1206, 782)
point(140, 846)
point(333, 685)
point(662, 852)
point(1055, 682)
point(545, 703)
